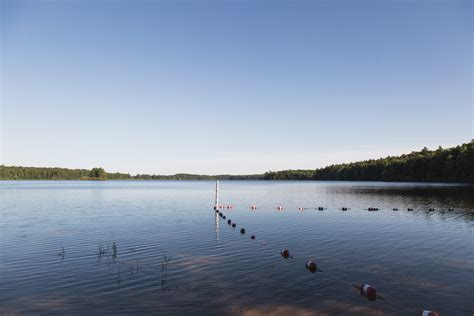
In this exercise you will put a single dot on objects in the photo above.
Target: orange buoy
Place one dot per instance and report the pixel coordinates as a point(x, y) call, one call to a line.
point(311, 266)
point(285, 253)
point(368, 291)
point(427, 313)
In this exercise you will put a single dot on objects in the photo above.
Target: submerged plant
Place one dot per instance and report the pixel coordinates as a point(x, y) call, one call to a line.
point(164, 263)
point(62, 253)
point(114, 250)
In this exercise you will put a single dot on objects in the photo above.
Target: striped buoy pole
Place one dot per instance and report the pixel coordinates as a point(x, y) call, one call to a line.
point(216, 205)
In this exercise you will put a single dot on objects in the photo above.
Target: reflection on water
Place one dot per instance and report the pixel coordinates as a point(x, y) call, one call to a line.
point(159, 247)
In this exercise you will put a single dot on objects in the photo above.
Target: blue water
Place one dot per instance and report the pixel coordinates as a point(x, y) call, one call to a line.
point(81, 247)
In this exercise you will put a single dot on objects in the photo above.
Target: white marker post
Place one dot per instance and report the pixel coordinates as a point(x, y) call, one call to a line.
point(216, 206)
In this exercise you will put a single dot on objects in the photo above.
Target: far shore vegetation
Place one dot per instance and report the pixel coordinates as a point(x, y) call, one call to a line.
point(441, 165)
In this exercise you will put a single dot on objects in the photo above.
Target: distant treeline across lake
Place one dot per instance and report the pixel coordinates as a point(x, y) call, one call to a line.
point(441, 165)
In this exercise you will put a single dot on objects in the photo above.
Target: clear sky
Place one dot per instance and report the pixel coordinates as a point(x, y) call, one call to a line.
point(231, 86)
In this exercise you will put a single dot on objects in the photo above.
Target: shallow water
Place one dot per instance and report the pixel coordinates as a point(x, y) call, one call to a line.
point(415, 259)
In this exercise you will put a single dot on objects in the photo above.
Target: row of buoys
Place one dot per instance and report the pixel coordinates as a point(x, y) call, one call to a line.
point(364, 290)
point(370, 209)
point(222, 206)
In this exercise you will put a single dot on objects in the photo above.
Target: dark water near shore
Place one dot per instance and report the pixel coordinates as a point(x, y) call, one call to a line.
point(415, 259)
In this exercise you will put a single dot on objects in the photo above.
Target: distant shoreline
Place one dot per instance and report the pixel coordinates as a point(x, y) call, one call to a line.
point(452, 165)
point(466, 184)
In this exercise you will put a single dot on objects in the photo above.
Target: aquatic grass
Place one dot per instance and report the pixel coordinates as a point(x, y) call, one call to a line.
point(164, 272)
point(62, 253)
point(164, 263)
point(109, 250)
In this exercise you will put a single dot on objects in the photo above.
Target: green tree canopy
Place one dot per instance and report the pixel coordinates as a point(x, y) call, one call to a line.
point(98, 174)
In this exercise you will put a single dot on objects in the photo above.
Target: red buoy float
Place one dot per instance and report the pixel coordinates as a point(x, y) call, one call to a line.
point(427, 313)
point(285, 253)
point(311, 266)
point(368, 291)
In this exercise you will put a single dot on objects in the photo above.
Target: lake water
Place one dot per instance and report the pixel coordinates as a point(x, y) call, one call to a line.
point(82, 247)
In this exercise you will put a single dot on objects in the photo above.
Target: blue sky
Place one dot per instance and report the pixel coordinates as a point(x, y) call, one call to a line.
point(231, 86)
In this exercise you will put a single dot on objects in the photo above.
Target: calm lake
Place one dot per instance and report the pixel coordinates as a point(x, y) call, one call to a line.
point(136, 247)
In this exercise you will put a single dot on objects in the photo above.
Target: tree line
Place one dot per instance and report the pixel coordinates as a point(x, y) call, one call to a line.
point(43, 173)
point(441, 165)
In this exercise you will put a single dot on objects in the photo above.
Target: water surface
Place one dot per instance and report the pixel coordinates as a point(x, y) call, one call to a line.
point(57, 248)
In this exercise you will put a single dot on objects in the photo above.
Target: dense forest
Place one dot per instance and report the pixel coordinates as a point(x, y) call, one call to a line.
point(441, 165)
point(34, 173)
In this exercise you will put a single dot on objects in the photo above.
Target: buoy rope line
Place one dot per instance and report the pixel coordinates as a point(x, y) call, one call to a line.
point(322, 208)
point(365, 290)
